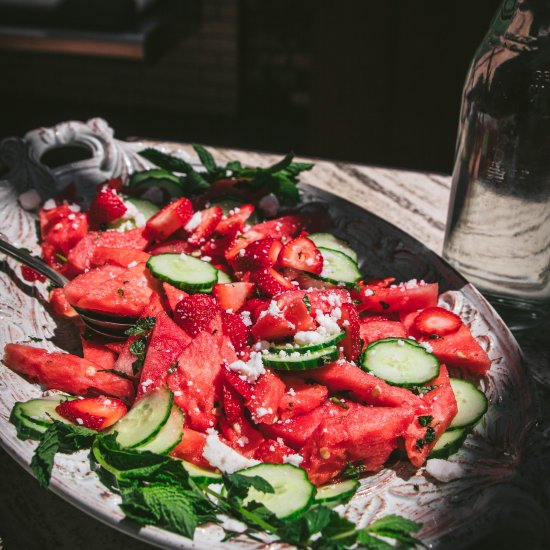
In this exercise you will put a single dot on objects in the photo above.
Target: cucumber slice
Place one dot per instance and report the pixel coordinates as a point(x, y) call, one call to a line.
point(449, 443)
point(400, 362)
point(32, 418)
point(282, 360)
point(145, 207)
point(201, 475)
point(169, 435)
point(184, 271)
point(327, 343)
point(145, 419)
point(223, 277)
point(327, 240)
point(472, 404)
point(337, 492)
point(158, 177)
point(293, 494)
point(338, 268)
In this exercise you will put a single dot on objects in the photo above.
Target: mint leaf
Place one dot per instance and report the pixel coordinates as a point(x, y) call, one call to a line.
point(142, 326)
point(163, 505)
point(340, 529)
point(238, 485)
point(396, 523)
point(372, 543)
point(58, 438)
point(168, 162)
point(207, 160)
point(425, 420)
point(353, 470)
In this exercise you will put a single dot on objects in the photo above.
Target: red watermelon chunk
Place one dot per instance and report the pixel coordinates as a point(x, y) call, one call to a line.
point(60, 306)
point(343, 376)
point(458, 349)
point(124, 257)
point(266, 396)
point(173, 295)
point(300, 397)
point(366, 434)
point(190, 448)
point(402, 298)
point(172, 247)
point(112, 289)
point(197, 382)
point(378, 327)
point(272, 452)
point(81, 255)
point(295, 432)
point(167, 342)
point(441, 406)
point(243, 388)
point(326, 300)
point(98, 353)
point(65, 372)
point(67, 231)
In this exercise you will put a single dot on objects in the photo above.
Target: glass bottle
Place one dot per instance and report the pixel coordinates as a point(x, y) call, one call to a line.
point(498, 230)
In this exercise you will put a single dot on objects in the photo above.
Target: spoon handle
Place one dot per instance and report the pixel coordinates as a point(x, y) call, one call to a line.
point(36, 263)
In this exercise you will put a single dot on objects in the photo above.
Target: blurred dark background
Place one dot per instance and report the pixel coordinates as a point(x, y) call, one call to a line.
point(358, 80)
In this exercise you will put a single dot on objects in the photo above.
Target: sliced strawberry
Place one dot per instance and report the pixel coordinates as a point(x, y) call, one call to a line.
point(184, 211)
point(301, 253)
point(240, 241)
point(236, 220)
point(233, 295)
point(272, 328)
point(165, 222)
point(285, 227)
point(349, 321)
point(272, 451)
point(194, 313)
point(270, 282)
point(95, 413)
point(174, 247)
point(208, 222)
point(234, 327)
point(438, 321)
point(255, 306)
point(296, 309)
point(31, 275)
point(258, 254)
point(106, 207)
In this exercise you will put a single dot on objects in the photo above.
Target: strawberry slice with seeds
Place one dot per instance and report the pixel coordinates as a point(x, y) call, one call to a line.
point(95, 413)
point(255, 306)
point(30, 275)
point(233, 295)
point(234, 327)
point(236, 220)
point(106, 207)
point(349, 321)
point(301, 253)
point(270, 282)
point(194, 313)
point(166, 221)
point(208, 221)
point(438, 321)
point(241, 241)
point(258, 254)
point(184, 211)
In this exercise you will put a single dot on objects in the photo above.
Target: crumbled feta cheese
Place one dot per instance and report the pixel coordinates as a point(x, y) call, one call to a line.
point(334, 299)
point(90, 371)
point(295, 460)
point(427, 346)
point(221, 456)
point(177, 393)
point(262, 411)
point(79, 421)
point(49, 205)
point(71, 217)
point(194, 222)
point(292, 391)
point(206, 259)
point(245, 316)
point(368, 292)
point(242, 441)
point(73, 207)
point(273, 309)
point(189, 383)
point(250, 370)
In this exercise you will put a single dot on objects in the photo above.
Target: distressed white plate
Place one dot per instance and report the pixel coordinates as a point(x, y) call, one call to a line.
point(480, 492)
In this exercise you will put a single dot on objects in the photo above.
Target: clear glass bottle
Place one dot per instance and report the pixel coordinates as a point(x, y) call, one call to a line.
point(498, 230)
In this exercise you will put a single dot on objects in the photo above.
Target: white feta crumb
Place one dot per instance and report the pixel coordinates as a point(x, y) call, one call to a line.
point(250, 370)
point(206, 259)
point(79, 421)
point(90, 371)
point(262, 411)
point(194, 222)
point(294, 460)
point(292, 391)
point(229, 310)
point(132, 264)
point(50, 204)
point(427, 346)
point(189, 383)
point(368, 292)
point(221, 456)
point(177, 393)
point(242, 441)
point(245, 316)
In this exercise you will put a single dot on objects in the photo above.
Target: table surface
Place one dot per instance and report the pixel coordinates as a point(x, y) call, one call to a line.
point(415, 202)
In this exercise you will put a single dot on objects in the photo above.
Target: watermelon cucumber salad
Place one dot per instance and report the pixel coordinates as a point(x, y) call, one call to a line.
point(264, 373)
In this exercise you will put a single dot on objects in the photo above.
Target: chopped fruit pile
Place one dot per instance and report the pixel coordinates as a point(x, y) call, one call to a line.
point(254, 340)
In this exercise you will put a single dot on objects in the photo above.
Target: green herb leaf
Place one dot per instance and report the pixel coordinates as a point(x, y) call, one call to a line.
point(168, 162)
point(238, 485)
point(429, 436)
point(307, 302)
point(142, 326)
point(372, 543)
point(353, 471)
point(207, 160)
point(395, 523)
point(58, 438)
point(425, 420)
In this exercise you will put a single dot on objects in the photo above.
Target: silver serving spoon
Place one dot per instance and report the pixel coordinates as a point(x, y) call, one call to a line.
point(111, 326)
